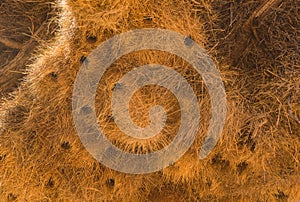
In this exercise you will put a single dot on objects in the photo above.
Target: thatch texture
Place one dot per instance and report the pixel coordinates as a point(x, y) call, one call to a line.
point(255, 47)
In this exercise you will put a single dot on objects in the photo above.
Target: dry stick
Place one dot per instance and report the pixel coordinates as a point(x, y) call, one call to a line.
point(290, 110)
point(262, 10)
point(8, 78)
point(10, 43)
point(259, 12)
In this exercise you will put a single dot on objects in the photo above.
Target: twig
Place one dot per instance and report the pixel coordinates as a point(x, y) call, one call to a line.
point(9, 78)
point(290, 110)
point(10, 43)
point(261, 10)
point(249, 29)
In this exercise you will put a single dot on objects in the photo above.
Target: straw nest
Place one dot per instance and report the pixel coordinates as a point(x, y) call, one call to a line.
point(255, 47)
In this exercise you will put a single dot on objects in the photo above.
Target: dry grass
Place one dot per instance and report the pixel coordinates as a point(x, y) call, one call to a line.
point(257, 158)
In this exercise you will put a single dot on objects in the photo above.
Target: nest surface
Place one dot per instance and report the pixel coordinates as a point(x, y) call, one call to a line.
point(255, 47)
